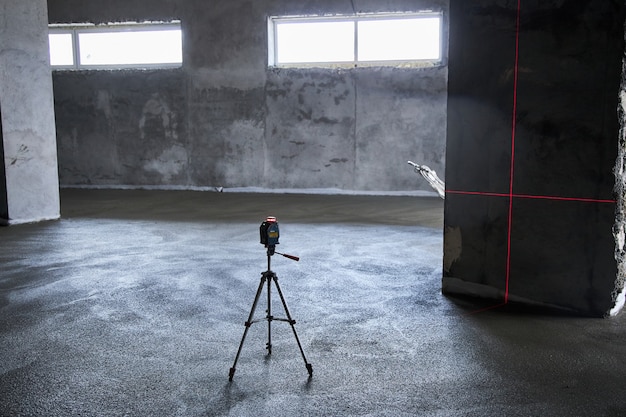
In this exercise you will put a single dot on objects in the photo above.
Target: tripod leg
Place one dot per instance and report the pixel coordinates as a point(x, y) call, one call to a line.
point(248, 323)
point(269, 313)
point(309, 367)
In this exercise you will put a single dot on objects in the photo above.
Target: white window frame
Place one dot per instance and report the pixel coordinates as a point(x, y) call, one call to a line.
point(77, 29)
point(274, 21)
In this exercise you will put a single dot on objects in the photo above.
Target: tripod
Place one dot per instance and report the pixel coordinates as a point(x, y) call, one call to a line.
point(267, 277)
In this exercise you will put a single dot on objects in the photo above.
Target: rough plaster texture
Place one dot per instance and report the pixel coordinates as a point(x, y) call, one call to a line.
point(543, 250)
point(619, 229)
point(225, 119)
point(30, 174)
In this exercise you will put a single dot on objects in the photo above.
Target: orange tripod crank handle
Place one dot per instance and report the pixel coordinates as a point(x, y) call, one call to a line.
point(295, 258)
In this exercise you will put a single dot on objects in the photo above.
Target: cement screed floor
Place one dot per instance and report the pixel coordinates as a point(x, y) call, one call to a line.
point(134, 304)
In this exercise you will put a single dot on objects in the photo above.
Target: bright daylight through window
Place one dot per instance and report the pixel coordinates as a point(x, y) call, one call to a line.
point(399, 39)
point(116, 45)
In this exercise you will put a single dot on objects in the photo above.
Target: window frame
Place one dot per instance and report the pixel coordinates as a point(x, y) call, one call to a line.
point(77, 29)
point(274, 21)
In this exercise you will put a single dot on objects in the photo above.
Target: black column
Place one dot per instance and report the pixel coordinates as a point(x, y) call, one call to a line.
point(532, 142)
point(4, 209)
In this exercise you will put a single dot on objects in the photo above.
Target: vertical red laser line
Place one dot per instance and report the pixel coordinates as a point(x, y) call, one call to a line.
point(513, 128)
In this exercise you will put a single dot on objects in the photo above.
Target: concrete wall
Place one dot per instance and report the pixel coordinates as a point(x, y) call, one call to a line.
point(29, 178)
point(530, 209)
point(225, 119)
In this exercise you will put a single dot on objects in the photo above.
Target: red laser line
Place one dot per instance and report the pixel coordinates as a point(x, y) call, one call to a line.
point(513, 129)
point(482, 310)
point(481, 193)
point(535, 197)
point(581, 199)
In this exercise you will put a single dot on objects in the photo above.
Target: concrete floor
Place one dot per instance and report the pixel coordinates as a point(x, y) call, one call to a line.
point(134, 305)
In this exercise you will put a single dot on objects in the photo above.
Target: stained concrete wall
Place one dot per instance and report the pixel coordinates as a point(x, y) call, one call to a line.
point(225, 119)
point(530, 208)
point(29, 179)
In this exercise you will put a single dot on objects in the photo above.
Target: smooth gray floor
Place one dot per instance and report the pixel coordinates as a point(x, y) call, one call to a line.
point(134, 305)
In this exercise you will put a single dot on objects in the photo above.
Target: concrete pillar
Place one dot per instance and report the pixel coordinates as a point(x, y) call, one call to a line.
point(29, 182)
point(532, 142)
point(4, 213)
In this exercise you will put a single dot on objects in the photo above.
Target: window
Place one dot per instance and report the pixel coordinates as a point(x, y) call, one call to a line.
point(399, 39)
point(116, 45)
point(299, 42)
point(61, 49)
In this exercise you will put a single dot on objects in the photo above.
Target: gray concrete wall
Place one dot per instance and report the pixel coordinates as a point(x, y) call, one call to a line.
point(30, 175)
point(544, 237)
point(225, 119)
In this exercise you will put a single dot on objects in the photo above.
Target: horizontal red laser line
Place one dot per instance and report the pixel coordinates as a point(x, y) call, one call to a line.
point(482, 310)
point(529, 196)
point(545, 197)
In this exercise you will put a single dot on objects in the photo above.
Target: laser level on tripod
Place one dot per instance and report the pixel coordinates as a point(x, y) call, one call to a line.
point(269, 234)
